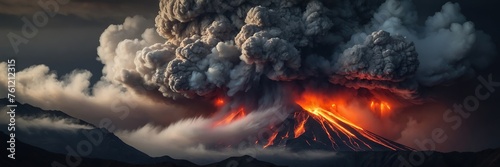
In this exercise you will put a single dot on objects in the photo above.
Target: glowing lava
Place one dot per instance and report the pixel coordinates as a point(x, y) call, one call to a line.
point(219, 102)
point(331, 115)
point(270, 141)
point(327, 112)
point(301, 121)
point(381, 108)
point(231, 117)
point(239, 114)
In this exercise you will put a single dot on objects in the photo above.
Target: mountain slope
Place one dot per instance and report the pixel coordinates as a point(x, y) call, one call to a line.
point(29, 111)
point(30, 156)
point(244, 161)
point(103, 144)
point(320, 135)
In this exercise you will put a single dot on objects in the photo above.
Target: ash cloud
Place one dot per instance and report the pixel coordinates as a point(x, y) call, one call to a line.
point(381, 62)
point(109, 98)
point(248, 51)
point(229, 47)
point(447, 44)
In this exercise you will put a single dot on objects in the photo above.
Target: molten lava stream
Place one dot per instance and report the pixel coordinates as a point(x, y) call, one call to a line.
point(328, 114)
point(380, 108)
point(332, 120)
point(231, 117)
point(301, 121)
point(270, 141)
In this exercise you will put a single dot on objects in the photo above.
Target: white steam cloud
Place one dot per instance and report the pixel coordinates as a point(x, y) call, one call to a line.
point(29, 124)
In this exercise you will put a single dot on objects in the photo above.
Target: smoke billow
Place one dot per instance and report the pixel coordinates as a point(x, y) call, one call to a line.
point(237, 48)
point(230, 47)
point(249, 51)
point(381, 62)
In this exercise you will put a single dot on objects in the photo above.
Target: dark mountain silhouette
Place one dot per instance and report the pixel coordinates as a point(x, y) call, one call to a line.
point(30, 156)
point(29, 111)
point(55, 142)
point(63, 141)
point(316, 137)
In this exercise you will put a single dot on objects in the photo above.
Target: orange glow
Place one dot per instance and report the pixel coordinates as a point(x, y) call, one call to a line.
point(231, 117)
point(328, 112)
point(299, 126)
point(381, 108)
point(285, 137)
point(219, 102)
point(331, 112)
point(271, 139)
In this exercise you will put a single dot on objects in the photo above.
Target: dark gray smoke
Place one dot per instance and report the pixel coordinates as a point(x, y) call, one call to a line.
point(381, 62)
point(231, 46)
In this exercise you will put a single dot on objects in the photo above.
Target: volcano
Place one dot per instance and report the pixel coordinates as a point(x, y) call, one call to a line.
point(320, 124)
point(315, 133)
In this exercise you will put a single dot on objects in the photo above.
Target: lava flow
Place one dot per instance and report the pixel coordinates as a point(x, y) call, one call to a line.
point(380, 108)
point(231, 117)
point(321, 114)
point(328, 113)
point(300, 126)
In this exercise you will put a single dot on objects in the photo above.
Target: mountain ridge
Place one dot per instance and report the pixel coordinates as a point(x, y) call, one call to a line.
point(39, 156)
point(30, 156)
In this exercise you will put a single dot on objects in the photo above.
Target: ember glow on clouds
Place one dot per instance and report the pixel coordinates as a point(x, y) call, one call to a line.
point(209, 75)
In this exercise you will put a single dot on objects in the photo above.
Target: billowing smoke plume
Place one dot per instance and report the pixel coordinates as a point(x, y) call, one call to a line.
point(236, 48)
point(231, 46)
point(382, 61)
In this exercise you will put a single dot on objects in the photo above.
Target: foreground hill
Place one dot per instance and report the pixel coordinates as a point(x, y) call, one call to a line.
point(30, 156)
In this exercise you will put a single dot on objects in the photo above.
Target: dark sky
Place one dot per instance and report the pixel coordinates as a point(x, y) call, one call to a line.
point(482, 125)
point(70, 39)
